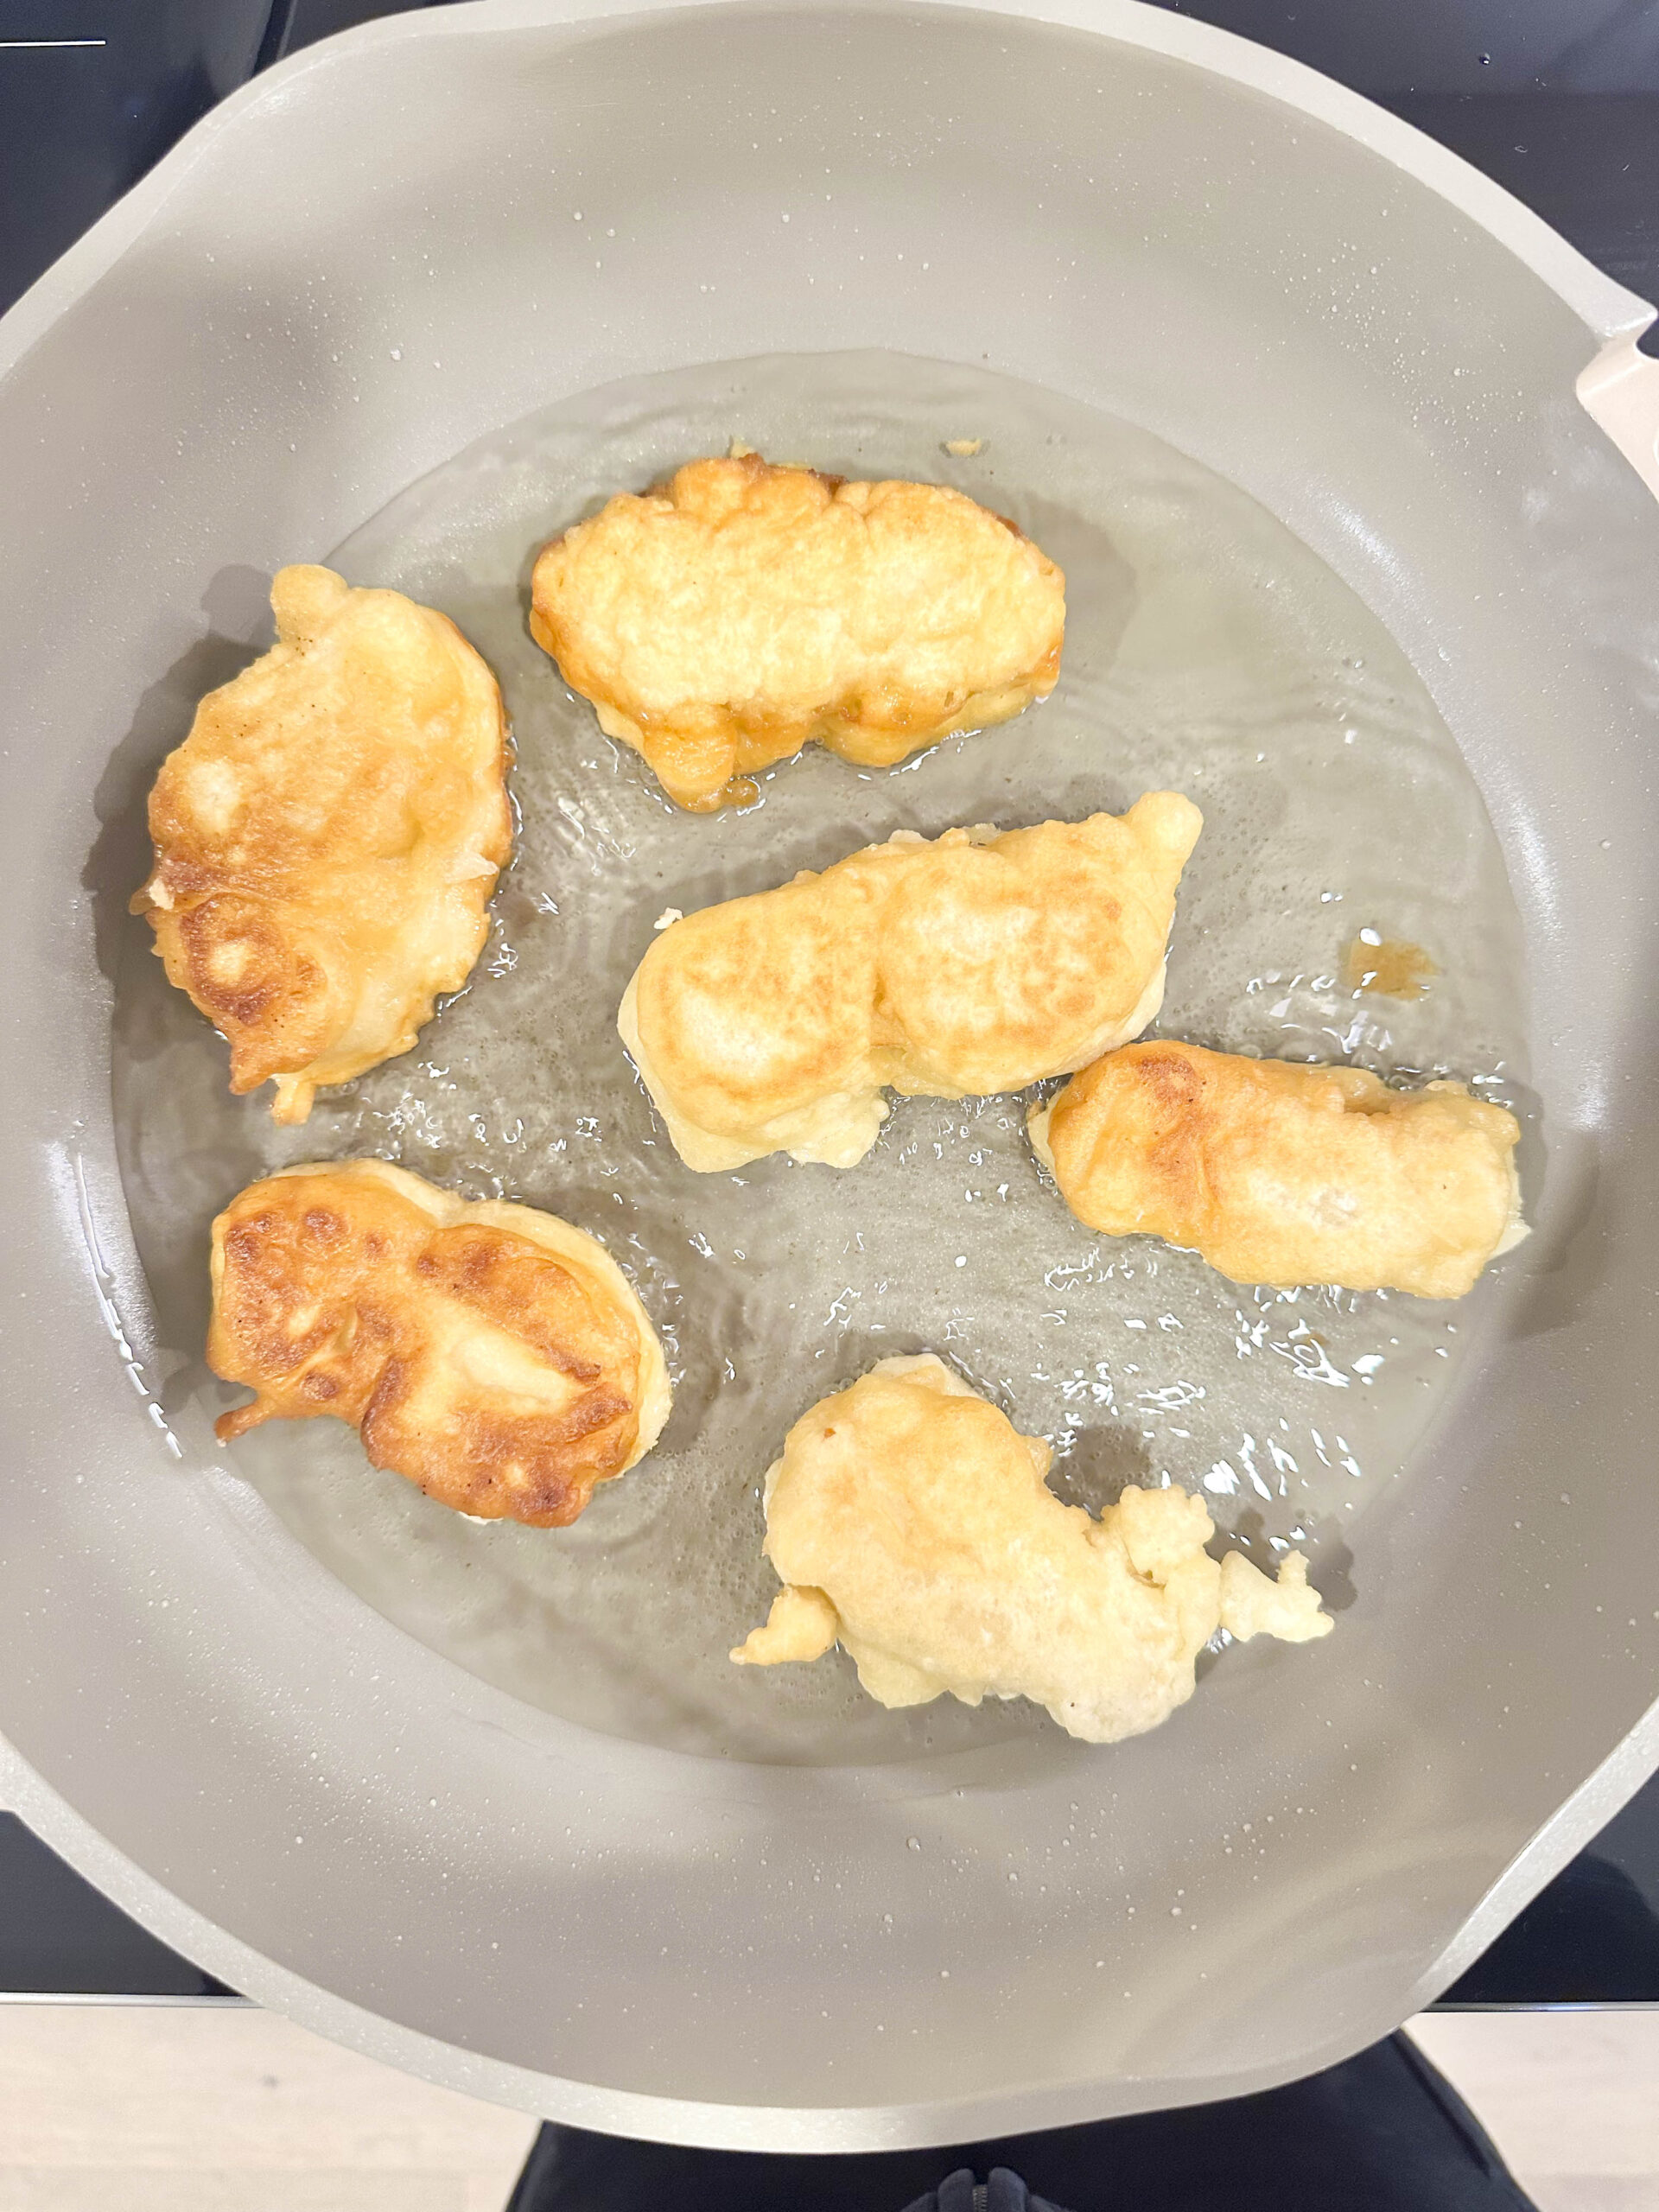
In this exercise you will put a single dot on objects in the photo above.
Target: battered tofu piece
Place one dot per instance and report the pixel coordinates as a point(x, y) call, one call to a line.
point(977, 962)
point(1282, 1174)
point(743, 610)
point(328, 836)
point(911, 1523)
point(494, 1354)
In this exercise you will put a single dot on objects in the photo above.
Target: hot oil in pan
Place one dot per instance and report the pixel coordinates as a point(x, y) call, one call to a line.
point(1207, 651)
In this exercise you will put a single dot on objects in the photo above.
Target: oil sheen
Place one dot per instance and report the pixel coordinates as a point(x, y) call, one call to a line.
point(1208, 652)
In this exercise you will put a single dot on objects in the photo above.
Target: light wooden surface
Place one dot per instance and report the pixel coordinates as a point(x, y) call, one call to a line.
point(1571, 2098)
point(133, 2109)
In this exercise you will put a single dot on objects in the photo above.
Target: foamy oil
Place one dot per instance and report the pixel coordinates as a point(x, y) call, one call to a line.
point(1208, 650)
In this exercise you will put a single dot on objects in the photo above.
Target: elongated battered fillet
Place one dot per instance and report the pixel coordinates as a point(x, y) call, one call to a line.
point(328, 836)
point(492, 1353)
point(743, 611)
point(977, 962)
point(911, 1523)
point(1283, 1174)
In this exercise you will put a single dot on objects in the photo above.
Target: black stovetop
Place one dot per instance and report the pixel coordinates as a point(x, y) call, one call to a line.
point(1556, 99)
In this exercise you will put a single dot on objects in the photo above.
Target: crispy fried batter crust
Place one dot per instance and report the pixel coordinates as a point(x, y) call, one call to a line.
point(909, 1521)
point(744, 611)
point(492, 1353)
point(1283, 1174)
point(979, 963)
point(328, 836)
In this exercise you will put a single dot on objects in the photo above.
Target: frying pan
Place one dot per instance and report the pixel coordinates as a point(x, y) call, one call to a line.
point(1434, 394)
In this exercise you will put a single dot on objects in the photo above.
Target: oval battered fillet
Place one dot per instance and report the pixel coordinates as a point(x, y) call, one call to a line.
point(911, 1523)
point(1282, 1174)
point(978, 962)
point(494, 1354)
point(328, 836)
point(744, 610)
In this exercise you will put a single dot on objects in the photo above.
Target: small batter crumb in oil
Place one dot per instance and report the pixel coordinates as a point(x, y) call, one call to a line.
point(964, 448)
point(1388, 966)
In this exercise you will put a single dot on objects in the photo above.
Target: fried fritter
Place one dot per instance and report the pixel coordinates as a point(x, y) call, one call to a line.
point(1282, 1174)
point(328, 836)
point(744, 610)
point(977, 962)
point(911, 1523)
point(494, 1354)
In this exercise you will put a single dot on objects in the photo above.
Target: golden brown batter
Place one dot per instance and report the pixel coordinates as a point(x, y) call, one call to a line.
point(743, 611)
point(492, 1353)
point(328, 836)
point(1278, 1173)
point(977, 962)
